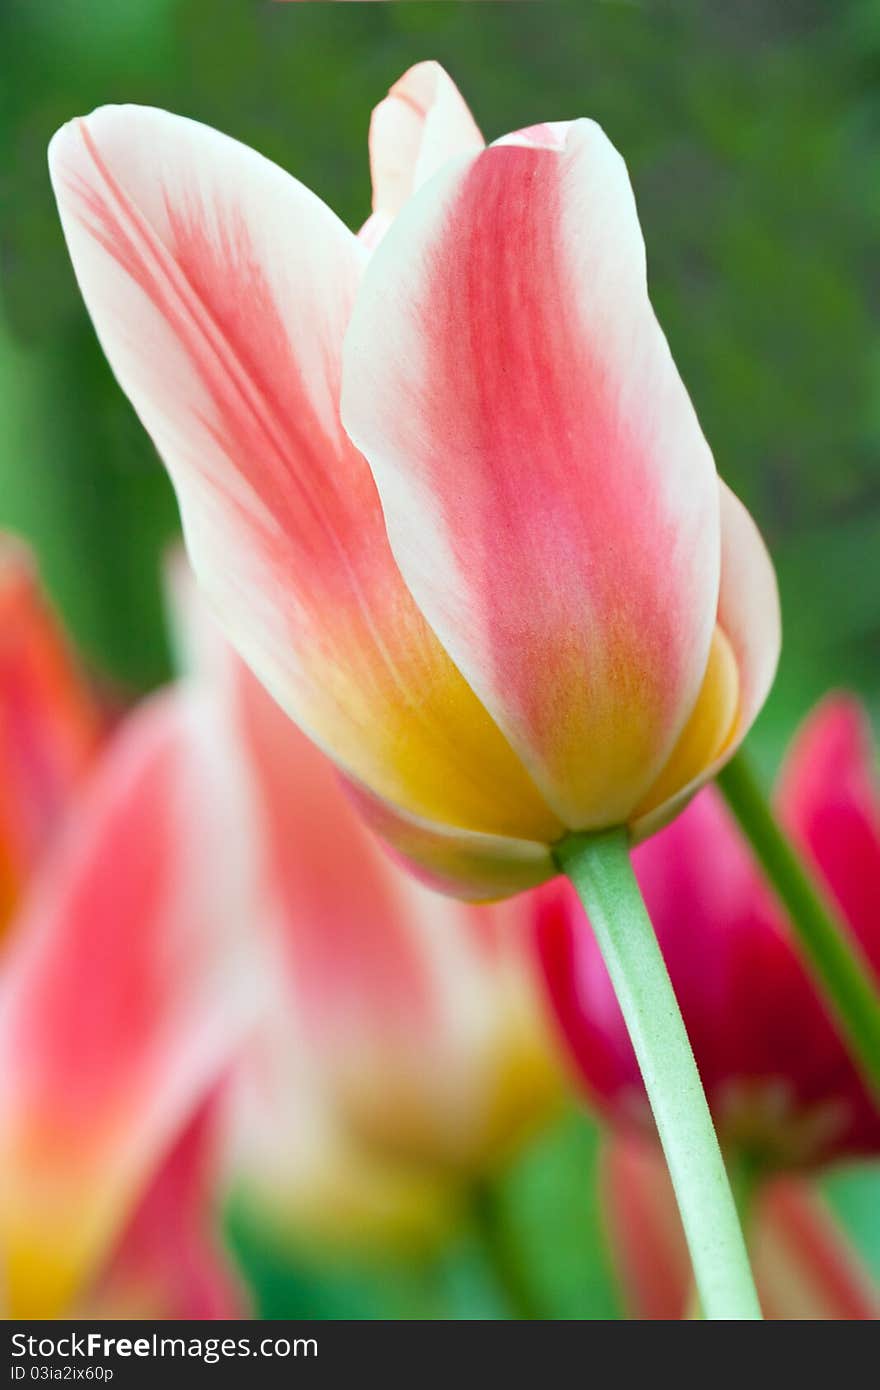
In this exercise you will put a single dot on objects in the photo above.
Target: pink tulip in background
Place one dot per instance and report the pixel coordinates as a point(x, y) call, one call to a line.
point(442, 481)
point(780, 1082)
point(189, 1005)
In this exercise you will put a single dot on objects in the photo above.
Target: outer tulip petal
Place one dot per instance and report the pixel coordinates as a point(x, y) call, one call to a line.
point(465, 864)
point(48, 723)
point(549, 495)
point(749, 631)
point(122, 1001)
point(170, 1262)
point(829, 799)
point(220, 288)
point(423, 123)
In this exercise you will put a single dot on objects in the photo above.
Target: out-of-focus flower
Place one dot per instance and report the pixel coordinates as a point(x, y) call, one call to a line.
point(199, 991)
point(123, 1000)
point(804, 1266)
point(780, 1083)
point(411, 1023)
point(509, 596)
point(49, 724)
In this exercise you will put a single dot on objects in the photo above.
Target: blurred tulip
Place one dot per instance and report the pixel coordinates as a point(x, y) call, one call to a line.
point(804, 1266)
point(780, 1082)
point(198, 994)
point(412, 1021)
point(124, 998)
point(569, 622)
point(49, 724)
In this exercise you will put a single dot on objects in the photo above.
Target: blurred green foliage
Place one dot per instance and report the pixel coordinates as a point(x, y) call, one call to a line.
point(751, 133)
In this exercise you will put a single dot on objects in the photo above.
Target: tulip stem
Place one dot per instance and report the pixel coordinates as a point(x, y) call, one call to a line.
point(599, 868)
point(830, 952)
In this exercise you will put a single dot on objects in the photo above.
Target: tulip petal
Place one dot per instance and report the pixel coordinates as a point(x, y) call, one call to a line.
point(123, 999)
point(49, 724)
point(466, 864)
point(829, 799)
point(170, 1262)
point(749, 634)
point(549, 496)
point(422, 123)
point(220, 289)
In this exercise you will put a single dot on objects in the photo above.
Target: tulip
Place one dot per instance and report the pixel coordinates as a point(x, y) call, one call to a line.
point(448, 496)
point(121, 1008)
point(805, 1267)
point(779, 1079)
point(192, 1004)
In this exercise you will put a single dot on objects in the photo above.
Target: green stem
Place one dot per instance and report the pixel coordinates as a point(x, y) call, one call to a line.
point(600, 869)
point(831, 954)
point(744, 1175)
point(503, 1258)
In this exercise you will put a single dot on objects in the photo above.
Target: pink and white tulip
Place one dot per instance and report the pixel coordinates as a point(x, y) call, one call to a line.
point(448, 496)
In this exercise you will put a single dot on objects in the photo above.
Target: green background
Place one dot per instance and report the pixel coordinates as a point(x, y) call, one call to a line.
point(751, 134)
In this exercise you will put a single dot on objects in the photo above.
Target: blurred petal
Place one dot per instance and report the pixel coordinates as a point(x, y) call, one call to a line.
point(828, 798)
point(804, 1266)
point(647, 1241)
point(421, 124)
point(122, 1001)
point(549, 495)
point(420, 1013)
point(300, 1173)
point(171, 1262)
point(220, 289)
point(48, 723)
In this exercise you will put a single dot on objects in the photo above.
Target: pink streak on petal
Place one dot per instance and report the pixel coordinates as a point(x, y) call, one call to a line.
point(170, 1262)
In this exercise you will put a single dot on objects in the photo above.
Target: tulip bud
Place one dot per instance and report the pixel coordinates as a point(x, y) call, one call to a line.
point(450, 500)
